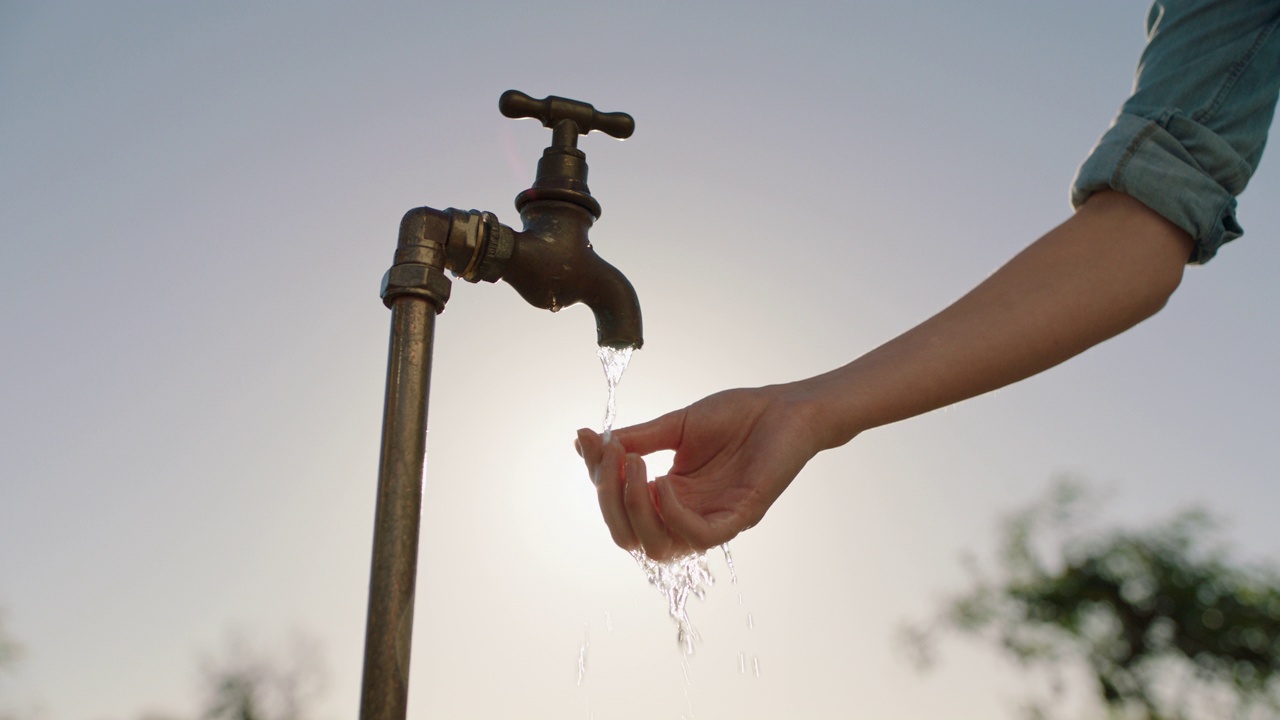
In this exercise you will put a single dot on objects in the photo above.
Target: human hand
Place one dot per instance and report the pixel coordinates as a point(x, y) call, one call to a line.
point(736, 451)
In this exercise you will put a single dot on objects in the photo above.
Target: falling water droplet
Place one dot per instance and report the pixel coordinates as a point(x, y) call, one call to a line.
point(688, 684)
point(755, 664)
point(728, 560)
point(582, 652)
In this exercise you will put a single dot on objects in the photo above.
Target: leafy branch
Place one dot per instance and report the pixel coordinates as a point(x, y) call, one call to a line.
point(1166, 624)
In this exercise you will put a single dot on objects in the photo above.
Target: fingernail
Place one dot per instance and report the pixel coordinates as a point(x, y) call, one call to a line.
point(577, 445)
point(634, 466)
point(664, 491)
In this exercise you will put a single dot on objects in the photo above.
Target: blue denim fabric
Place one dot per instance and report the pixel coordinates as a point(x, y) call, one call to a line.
point(1190, 137)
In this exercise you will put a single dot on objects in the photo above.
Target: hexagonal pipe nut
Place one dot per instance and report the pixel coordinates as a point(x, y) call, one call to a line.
point(416, 279)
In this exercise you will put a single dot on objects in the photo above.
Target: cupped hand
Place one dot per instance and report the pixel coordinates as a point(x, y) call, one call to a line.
point(735, 452)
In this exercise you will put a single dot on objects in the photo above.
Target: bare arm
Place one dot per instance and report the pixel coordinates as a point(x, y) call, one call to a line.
point(1110, 266)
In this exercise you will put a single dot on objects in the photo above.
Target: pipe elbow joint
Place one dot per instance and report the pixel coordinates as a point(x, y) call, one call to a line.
point(424, 225)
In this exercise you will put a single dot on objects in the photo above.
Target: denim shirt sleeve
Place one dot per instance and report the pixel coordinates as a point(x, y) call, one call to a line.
point(1190, 137)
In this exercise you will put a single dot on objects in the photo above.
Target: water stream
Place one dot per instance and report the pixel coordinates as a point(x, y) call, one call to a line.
point(615, 361)
point(678, 580)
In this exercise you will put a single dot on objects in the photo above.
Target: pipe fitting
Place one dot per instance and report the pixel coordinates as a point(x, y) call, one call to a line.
point(424, 226)
point(476, 245)
point(418, 280)
point(418, 269)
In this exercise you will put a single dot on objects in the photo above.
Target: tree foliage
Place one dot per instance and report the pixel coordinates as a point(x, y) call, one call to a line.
point(241, 682)
point(245, 683)
point(1164, 622)
point(9, 653)
point(8, 647)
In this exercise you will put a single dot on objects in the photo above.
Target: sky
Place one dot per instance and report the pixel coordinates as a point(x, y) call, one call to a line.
point(198, 202)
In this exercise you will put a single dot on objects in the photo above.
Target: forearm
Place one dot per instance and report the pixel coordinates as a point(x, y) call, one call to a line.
point(1110, 266)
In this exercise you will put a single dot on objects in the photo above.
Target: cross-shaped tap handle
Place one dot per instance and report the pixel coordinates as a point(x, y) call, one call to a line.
point(553, 111)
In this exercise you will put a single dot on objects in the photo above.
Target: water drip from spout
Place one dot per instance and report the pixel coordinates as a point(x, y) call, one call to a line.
point(615, 361)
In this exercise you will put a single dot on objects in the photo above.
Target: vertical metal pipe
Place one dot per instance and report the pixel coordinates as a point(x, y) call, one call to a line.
point(389, 629)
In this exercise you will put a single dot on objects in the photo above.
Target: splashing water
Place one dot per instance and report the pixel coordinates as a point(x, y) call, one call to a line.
point(615, 361)
point(679, 580)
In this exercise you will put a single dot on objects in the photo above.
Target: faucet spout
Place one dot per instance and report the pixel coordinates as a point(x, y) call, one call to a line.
point(553, 266)
point(617, 309)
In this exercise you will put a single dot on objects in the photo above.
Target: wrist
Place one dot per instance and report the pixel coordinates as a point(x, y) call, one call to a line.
point(829, 408)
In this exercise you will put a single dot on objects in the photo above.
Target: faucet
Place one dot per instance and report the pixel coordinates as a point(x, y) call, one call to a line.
point(552, 265)
point(551, 262)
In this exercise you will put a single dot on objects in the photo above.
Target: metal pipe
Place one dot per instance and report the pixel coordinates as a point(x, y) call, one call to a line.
point(389, 629)
point(416, 289)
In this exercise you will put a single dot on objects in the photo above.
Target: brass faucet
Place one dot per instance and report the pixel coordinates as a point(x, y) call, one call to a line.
point(551, 262)
point(552, 265)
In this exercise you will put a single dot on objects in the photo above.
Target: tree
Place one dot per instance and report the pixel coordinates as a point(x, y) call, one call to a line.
point(1165, 623)
point(242, 682)
point(9, 648)
point(9, 652)
point(245, 683)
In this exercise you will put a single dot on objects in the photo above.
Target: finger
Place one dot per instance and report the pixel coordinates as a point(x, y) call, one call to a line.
point(609, 480)
point(662, 433)
point(589, 446)
point(699, 532)
point(642, 512)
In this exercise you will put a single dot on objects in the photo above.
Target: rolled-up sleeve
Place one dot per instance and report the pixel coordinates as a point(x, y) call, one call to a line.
point(1190, 137)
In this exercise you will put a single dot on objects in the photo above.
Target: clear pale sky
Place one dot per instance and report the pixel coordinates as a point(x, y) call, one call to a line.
point(198, 201)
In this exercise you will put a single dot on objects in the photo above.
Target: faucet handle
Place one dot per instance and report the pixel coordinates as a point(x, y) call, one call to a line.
point(553, 111)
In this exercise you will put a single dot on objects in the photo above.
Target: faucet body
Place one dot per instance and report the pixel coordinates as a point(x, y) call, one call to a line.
point(552, 265)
